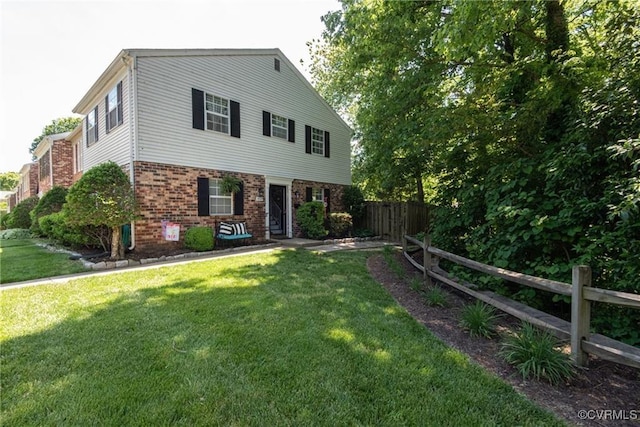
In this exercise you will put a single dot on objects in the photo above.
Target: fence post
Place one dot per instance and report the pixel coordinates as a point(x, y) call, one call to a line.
point(426, 256)
point(404, 242)
point(580, 313)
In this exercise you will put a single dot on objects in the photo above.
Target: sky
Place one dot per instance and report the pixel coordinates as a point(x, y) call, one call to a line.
point(51, 52)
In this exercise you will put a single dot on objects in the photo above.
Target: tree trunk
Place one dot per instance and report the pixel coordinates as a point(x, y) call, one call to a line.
point(420, 187)
point(117, 249)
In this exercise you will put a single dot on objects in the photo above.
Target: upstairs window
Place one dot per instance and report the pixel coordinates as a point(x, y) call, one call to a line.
point(279, 126)
point(217, 113)
point(91, 126)
point(113, 108)
point(317, 141)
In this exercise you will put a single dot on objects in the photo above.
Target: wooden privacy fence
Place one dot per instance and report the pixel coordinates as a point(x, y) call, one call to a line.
point(580, 291)
point(391, 220)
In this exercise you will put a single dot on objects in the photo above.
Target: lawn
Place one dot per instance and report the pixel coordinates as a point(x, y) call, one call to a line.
point(23, 260)
point(282, 338)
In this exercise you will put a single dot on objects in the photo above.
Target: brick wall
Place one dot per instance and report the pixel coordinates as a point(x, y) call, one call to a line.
point(62, 163)
point(300, 186)
point(33, 182)
point(169, 192)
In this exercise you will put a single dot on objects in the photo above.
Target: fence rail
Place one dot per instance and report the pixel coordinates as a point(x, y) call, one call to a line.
point(580, 291)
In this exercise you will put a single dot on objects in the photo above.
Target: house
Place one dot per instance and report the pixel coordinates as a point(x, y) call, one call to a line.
point(54, 156)
point(28, 182)
point(179, 121)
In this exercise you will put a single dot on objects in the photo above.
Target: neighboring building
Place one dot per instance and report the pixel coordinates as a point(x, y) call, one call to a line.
point(54, 157)
point(28, 183)
point(178, 121)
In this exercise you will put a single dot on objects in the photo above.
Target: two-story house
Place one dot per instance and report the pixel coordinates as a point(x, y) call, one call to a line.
point(178, 121)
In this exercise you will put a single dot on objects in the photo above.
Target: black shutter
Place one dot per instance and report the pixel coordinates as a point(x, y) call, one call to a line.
point(309, 194)
point(238, 200)
point(203, 196)
point(326, 144)
point(266, 123)
point(120, 116)
point(107, 121)
point(292, 131)
point(235, 119)
point(197, 108)
point(327, 198)
point(307, 138)
point(95, 128)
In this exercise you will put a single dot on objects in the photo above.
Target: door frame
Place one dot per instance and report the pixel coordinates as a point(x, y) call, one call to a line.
point(283, 182)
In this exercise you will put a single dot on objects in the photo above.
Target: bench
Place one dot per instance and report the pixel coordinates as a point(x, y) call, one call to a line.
point(230, 231)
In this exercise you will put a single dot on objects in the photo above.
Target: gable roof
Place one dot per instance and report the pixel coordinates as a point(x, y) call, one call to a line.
point(124, 58)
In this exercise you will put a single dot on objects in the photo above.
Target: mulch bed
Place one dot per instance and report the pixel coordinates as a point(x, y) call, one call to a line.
point(600, 387)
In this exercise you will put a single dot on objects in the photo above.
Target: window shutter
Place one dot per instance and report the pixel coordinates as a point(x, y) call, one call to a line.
point(327, 198)
point(95, 128)
point(307, 138)
point(203, 196)
point(326, 144)
point(120, 116)
point(235, 119)
point(292, 131)
point(238, 200)
point(266, 123)
point(197, 108)
point(107, 121)
point(309, 194)
point(86, 130)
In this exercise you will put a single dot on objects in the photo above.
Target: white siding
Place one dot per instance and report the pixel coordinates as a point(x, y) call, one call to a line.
point(166, 134)
point(116, 145)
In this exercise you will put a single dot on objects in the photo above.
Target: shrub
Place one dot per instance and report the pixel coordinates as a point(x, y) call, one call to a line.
point(50, 203)
point(4, 217)
point(479, 319)
point(19, 217)
point(199, 239)
point(535, 353)
point(340, 224)
point(15, 234)
point(56, 227)
point(436, 297)
point(353, 201)
point(310, 218)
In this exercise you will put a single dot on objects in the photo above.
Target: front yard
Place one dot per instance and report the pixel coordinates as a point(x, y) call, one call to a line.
point(285, 338)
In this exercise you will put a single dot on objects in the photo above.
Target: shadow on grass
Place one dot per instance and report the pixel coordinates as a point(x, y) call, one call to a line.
point(291, 337)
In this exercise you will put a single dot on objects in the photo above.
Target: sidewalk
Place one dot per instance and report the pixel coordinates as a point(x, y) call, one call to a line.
point(295, 243)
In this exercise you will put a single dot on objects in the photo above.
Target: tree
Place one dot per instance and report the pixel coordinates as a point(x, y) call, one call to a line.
point(9, 180)
point(64, 124)
point(103, 196)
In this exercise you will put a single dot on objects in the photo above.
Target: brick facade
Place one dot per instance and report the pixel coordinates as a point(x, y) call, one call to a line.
point(170, 193)
point(56, 166)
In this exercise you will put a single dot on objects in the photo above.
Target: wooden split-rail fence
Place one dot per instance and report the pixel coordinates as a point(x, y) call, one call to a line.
point(582, 294)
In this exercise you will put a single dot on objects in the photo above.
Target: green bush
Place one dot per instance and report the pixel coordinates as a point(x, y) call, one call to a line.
point(19, 216)
point(436, 297)
point(15, 234)
point(56, 227)
point(199, 239)
point(479, 319)
point(4, 217)
point(353, 201)
point(535, 354)
point(310, 218)
point(50, 203)
point(340, 224)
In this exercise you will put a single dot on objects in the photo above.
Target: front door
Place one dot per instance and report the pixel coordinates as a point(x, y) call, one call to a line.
point(277, 210)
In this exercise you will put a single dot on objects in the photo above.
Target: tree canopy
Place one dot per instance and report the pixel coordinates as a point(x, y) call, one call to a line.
point(519, 120)
point(64, 124)
point(9, 180)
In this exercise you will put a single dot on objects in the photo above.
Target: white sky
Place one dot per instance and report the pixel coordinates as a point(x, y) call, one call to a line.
point(53, 51)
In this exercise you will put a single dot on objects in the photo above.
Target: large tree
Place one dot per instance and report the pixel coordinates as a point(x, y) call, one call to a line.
point(9, 180)
point(103, 196)
point(64, 124)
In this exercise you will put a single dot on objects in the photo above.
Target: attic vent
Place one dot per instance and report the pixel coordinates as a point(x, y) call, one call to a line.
point(276, 64)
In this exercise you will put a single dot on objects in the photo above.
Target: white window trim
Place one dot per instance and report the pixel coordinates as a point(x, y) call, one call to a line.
point(317, 141)
point(90, 132)
point(113, 121)
point(317, 195)
point(275, 126)
point(213, 112)
point(216, 182)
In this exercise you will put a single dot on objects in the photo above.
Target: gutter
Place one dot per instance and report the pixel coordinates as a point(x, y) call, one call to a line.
point(133, 130)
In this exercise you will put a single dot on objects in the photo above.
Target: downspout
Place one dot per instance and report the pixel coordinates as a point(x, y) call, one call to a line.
point(133, 132)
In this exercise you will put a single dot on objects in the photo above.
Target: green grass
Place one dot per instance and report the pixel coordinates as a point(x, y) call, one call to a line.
point(23, 260)
point(283, 338)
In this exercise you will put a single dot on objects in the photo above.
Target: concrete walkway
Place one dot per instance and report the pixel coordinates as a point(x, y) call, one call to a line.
point(279, 245)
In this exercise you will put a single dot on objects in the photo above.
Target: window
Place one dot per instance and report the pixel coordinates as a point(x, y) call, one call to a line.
point(219, 203)
point(113, 108)
point(92, 126)
point(45, 165)
point(318, 195)
point(279, 126)
point(317, 141)
point(217, 110)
